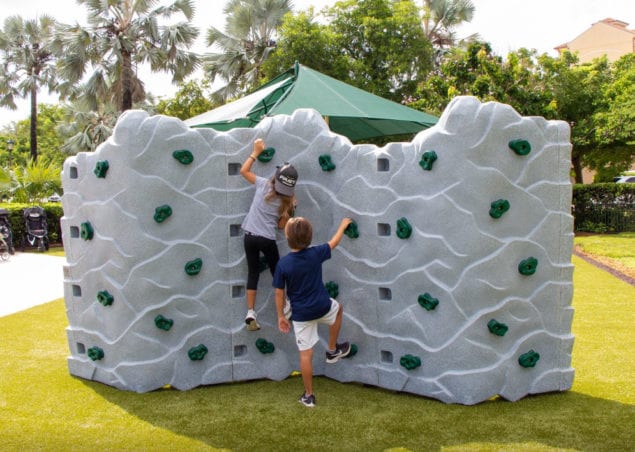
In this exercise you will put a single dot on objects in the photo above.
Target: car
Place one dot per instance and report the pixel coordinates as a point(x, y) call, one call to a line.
point(624, 180)
point(54, 198)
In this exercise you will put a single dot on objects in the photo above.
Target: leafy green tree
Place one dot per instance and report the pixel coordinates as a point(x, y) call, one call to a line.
point(190, 100)
point(120, 36)
point(50, 142)
point(305, 40)
point(248, 40)
point(86, 127)
point(28, 62)
point(383, 41)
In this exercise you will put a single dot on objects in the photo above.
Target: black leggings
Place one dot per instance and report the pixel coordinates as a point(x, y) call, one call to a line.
point(254, 245)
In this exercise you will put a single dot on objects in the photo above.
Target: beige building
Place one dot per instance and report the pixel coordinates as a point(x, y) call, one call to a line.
point(608, 37)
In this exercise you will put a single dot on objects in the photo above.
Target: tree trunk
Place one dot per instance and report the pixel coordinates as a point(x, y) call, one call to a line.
point(126, 81)
point(34, 123)
point(577, 169)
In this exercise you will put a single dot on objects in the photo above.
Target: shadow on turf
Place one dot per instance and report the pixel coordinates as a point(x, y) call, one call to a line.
point(265, 415)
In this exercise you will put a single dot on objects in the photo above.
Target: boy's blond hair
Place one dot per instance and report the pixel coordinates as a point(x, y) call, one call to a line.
point(299, 233)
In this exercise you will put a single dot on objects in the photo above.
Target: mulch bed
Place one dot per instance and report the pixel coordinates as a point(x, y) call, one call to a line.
point(612, 270)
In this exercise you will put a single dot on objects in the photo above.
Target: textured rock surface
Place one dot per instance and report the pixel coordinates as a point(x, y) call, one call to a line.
point(139, 311)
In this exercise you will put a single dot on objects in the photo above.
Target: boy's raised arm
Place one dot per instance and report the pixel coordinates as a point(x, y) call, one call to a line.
point(335, 240)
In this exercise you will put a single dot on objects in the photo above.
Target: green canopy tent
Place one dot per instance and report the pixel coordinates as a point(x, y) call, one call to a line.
point(349, 111)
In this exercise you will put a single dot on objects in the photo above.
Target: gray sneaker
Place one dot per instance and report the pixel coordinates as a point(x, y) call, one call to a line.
point(341, 350)
point(307, 400)
point(250, 320)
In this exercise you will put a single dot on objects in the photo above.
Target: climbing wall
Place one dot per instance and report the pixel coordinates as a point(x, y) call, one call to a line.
point(456, 276)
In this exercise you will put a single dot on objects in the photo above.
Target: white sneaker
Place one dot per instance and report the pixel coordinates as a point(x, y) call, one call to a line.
point(250, 320)
point(287, 309)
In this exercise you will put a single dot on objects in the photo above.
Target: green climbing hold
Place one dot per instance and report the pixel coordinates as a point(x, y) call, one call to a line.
point(264, 346)
point(428, 302)
point(105, 298)
point(332, 288)
point(101, 168)
point(498, 208)
point(95, 353)
point(497, 328)
point(410, 362)
point(163, 323)
point(529, 359)
point(197, 353)
point(194, 266)
point(326, 163)
point(162, 213)
point(184, 156)
point(351, 230)
point(528, 266)
point(86, 231)
point(266, 155)
point(403, 228)
point(427, 160)
point(520, 147)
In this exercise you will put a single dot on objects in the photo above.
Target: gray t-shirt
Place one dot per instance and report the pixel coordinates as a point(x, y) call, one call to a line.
point(262, 218)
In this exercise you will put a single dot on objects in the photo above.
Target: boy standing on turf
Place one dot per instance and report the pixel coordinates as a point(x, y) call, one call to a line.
point(300, 272)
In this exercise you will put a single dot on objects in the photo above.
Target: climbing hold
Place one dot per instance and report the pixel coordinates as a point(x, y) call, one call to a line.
point(428, 302)
point(86, 231)
point(194, 266)
point(427, 160)
point(101, 168)
point(184, 156)
point(163, 323)
point(497, 328)
point(520, 147)
point(264, 346)
point(162, 213)
point(105, 298)
point(410, 362)
point(326, 163)
point(498, 208)
point(528, 266)
point(266, 155)
point(529, 359)
point(403, 228)
point(95, 353)
point(351, 230)
point(332, 288)
point(197, 353)
point(353, 351)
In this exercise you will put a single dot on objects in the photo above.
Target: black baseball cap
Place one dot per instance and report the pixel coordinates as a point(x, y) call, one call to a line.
point(286, 177)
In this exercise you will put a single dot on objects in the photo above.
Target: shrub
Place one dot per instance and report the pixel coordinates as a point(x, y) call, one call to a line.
point(605, 207)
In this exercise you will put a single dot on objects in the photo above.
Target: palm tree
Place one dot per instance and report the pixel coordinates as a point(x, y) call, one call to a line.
point(28, 63)
point(248, 39)
point(36, 180)
point(120, 36)
point(441, 18)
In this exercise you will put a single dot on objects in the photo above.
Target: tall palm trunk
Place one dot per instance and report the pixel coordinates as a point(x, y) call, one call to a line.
point(126, 81)
point(34, 123)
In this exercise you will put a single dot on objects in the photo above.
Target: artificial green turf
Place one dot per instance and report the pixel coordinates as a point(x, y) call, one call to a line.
point(42, 407)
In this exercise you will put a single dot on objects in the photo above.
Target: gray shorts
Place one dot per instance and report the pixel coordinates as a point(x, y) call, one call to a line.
point(306, 333)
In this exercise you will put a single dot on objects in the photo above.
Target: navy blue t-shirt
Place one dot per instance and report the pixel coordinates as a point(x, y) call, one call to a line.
point(300, 272)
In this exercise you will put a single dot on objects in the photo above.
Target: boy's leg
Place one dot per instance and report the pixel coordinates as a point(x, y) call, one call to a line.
point(306, 368)
point(334, 329)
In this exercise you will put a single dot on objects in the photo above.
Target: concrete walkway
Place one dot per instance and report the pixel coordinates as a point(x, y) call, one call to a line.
point(30, 279)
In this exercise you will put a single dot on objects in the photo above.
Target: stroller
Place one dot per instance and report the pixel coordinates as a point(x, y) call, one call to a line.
point(6, 236)
point(35, 225)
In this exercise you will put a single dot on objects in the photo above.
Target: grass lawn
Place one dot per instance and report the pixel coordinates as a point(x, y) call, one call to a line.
point(42, 407)
point(616, 250)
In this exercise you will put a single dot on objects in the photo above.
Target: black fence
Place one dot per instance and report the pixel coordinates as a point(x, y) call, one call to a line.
point(603, 208)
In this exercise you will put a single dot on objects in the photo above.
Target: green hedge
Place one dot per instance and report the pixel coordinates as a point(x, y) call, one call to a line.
point(53, 214)
point(606, 207)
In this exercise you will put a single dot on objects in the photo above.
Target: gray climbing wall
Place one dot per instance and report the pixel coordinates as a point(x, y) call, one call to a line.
point(458, 286)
